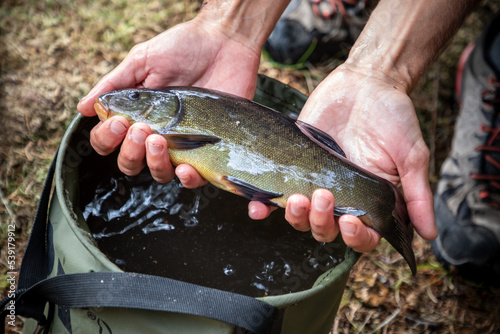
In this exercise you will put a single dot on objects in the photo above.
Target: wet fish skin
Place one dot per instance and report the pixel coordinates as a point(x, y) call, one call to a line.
point(256, 152)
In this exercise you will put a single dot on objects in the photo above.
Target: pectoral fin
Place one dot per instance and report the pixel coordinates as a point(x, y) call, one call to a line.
point(320, 137)
point(181, 141)
point(250, 191)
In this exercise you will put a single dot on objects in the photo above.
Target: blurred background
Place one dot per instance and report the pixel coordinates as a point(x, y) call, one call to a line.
point(52, 52)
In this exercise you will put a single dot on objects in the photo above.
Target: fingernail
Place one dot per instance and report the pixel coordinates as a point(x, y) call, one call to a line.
point(184, 178)
point(321, 203)
point(155, 149)
point(138, 136)
point(297, 210)
point(252, 211)
point(348, 228)
point(82, 100)
point(117, 127)
point(182, 175)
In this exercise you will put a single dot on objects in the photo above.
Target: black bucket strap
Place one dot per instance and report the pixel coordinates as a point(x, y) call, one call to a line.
point(123, 289)
point(147, 292)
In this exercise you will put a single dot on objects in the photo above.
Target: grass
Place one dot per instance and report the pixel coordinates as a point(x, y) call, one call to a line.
point(52, 52)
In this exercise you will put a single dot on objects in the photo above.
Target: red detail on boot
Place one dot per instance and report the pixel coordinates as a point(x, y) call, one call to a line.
point(460, 70)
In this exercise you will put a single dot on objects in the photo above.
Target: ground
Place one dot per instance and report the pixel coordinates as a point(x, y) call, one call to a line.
point(52, 52)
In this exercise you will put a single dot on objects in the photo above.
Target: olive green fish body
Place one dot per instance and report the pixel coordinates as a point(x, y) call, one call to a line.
point(246, 148)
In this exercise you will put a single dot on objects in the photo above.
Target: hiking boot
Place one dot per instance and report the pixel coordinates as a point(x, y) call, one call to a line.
point(316, 29)
point(467, 200)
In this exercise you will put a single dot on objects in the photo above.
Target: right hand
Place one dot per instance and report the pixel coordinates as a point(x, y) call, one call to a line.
point(375, 123)
point(195, 53)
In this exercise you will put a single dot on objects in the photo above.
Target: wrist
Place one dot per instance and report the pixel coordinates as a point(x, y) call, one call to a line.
point(248, 22)
point(383, 68)
point(387, 48)
point(400, 40)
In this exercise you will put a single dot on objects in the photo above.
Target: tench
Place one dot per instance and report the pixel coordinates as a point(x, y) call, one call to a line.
point(261, 154)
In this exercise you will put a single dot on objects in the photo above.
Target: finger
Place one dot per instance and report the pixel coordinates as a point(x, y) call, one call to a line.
point(356, 235)
point(128, 74)
point(189, 177)
point(419, 203)
point(323, 226)
point(105, 137)
point(259, 211)
point(297, 212)
point(131, 159)
point(158, 159)
point(418, 195)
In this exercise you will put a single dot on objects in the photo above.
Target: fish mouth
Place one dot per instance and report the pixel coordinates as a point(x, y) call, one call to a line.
point(101, 110)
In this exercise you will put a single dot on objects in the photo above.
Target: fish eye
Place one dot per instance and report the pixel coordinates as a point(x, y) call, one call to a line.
point(134, 96)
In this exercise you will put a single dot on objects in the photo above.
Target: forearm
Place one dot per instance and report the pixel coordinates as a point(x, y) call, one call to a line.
point(403, 37)
point(249, 22)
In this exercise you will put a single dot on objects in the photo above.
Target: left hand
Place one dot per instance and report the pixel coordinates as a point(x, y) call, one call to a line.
point(195, 53)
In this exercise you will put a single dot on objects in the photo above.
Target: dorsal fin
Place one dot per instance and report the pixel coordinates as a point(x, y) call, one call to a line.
point(320, 137)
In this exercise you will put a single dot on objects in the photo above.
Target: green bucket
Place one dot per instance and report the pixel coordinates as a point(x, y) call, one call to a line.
point(71, 249)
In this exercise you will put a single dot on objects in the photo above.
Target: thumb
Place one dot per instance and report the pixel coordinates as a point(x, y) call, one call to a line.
point(417, 191)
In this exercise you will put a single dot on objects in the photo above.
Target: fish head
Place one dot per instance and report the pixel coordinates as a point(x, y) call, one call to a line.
point(139, 105)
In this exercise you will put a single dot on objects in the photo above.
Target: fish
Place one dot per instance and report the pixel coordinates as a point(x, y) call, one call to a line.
point(263, 155)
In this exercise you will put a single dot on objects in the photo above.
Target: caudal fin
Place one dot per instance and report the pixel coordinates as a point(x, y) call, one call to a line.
point(401, 235)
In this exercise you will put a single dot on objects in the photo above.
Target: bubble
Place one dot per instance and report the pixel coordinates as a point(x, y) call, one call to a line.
point(229, 270)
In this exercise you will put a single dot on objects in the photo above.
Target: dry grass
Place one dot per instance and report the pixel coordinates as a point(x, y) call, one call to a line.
point(53, 51)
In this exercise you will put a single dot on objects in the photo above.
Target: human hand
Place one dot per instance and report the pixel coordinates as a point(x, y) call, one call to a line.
point(375, 124)
point(194, 53)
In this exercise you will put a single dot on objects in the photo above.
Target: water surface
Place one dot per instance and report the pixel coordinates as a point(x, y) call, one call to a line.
point(202, 236)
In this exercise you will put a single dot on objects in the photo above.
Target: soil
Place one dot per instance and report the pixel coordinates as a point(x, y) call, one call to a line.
point(52, 52)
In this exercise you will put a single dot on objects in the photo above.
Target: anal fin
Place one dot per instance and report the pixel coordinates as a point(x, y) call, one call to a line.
point(345, 210)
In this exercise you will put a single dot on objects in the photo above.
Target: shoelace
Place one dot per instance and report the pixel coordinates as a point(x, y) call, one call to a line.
point(327, 12)
point(492, 145)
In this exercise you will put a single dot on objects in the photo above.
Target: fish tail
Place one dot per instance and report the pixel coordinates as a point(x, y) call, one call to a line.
point(401, 236)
